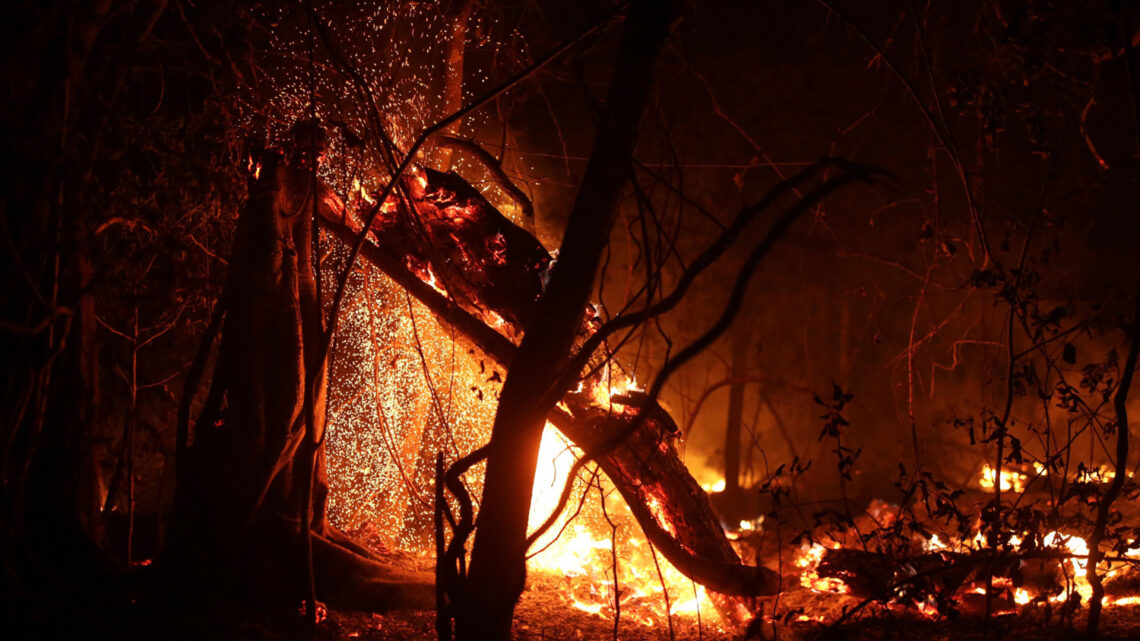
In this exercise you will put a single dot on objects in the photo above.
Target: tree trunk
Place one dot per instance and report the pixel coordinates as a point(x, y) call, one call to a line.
point(498, 559)
point(458, 14)
point(251, 469)
point(740, 343)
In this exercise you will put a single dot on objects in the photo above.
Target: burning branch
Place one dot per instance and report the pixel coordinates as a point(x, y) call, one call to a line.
point(493, 167)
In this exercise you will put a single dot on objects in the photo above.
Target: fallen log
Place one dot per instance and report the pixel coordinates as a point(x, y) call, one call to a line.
point(482, 275)
point(353, 577)
point(668, 503)
point(947, 579)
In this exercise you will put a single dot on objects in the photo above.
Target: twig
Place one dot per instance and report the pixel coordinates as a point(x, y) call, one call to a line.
point(733, 380)
point(776, 232)
point(910, 367)
point(665, 592)
point(942, 136)
point(715, 250)
point(1104, 505)
point(613, 560)
point(1084, 128)
point(442, 614)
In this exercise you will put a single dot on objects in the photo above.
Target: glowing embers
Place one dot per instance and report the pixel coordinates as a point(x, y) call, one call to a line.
point(359, 190)
point(431, 280)
point(715, 486)
point(750, 525)
point(614, 391)
point(744, 529)
point(253, 167)
point(404, 390)
point(1018, 478)
point(415, 182)
point(808, 560)
point(424, 272)
point(401, 390)
point(1098, 474)
point(1028, 571)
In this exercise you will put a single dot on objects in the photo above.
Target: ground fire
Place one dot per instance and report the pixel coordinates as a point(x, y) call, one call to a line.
point(510, 319)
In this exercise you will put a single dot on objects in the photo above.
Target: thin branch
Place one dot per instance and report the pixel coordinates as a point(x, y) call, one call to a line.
point(714, 251)
point(736, 298)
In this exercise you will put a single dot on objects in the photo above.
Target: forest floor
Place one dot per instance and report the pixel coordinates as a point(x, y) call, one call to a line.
point(538, 619)
point(543, 614)
point(534, 622)
point(546, 612)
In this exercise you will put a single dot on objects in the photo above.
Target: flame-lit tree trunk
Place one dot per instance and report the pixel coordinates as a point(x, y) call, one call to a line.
point(254, 461)
point(239, 460)
point(459, 14)
point(504, 292)
point(740, 340)
point(498, 559)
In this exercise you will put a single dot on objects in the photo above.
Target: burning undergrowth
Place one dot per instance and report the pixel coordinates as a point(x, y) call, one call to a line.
point(931, 558)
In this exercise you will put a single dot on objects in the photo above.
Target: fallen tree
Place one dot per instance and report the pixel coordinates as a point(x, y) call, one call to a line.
point(482, 275)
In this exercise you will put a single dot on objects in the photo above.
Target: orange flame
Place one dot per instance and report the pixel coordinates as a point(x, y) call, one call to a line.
point(359, 190)
point(253, 167)
point(583, 551)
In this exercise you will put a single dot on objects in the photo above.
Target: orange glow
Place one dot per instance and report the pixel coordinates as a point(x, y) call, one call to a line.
point(254, 168)
point(359, 190)
point(583, 553)
point(716, 486)
point(1010, 479)
point(431, 280)
point(1073, 568)
point(600, 555)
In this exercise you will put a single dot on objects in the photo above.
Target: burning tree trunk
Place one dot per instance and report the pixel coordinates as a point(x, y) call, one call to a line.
point(253, 463)
point(646, 469)
point(443, 237)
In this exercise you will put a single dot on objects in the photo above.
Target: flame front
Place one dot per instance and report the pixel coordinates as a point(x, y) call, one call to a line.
point(1010, 479)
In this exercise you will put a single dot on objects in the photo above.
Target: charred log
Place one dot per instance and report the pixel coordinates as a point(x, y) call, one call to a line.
point(943, 579)
point(458, 240)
